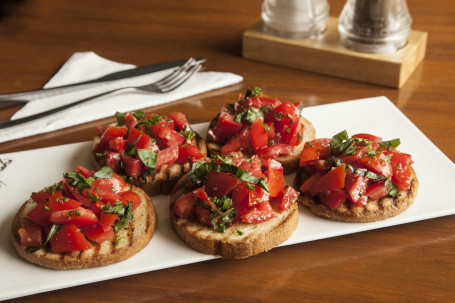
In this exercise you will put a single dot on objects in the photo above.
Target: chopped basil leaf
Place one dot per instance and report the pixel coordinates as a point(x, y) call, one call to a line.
point(138, 114)
point(251, 114)
point(239, 232)
point(188, 134)
point(120, 118)
point(148, 157)
point(250, 186)
point(52, 232)
point(391, 143)
point(104, 173)
point(99, 155)
point(78, 180)
point(255, 92)
point(126, 217)
point(334, 161)
point(338, 139)
point(392, 189)
point(266, 127)
point(130, 149)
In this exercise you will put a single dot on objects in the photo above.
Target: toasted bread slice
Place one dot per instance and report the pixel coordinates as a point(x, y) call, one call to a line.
point(241, 240)
point(290, 162)
point(163, 180)
point(374, 210)
point(125, 243)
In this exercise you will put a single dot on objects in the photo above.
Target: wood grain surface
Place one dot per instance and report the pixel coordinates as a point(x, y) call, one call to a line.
point(408, 263)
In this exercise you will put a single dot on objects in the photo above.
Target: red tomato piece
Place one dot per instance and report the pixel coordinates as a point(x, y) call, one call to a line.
point(256, 195)
point(106, 189)
point(203, 215)
point(113, 161)
point(133, 166)
point(43, 211)
point(179, 120)
point(333, 180)
point(140, 139)
point(368, 137)
point(226, 126)
point(97, 233)
point(187, 150)
point(79, 216)
point(130, 120)
point(333, 199)
point(41, 196)
point(219, 184)
point(169, 138)
point(380, 164)
point(130, 196)
point(400, 163)
point(110, 133)
point(117, 144)
point(293, 134)
point(283, 115)
point(84, 171)
point(69, 238)
point(314, 150)
point(31, 234)
point(377, 190)
point(107, 220)
point(167, 156)
point(275, 178)
point(290, 196)
point(240, 197)
point(310, 182)
point(258, 135)
point(253, 166)
point(258, 213)
point(355, 187)
point(184, 206)
point(275, 151)
point(239, 142)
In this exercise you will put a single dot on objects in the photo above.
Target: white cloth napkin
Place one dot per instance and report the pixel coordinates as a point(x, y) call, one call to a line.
point(88, 66)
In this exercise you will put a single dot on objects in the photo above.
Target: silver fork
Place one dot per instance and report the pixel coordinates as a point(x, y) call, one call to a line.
point(164, 85)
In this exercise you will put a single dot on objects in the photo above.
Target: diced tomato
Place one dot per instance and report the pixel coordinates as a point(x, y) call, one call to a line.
point(333, 180)
point(42, 212)
point(256, 195)
point(379, 164)
point(107, 220)
point(79, 216)
point(240, 197)
point(31, 234)
point(113, 161)
point(167, 156)
point(117, 144)
point(376, 190)
point(258, 135)
point(313, 150)
point(333, 199)
point(187, 150)
point(226, 126)
point(76, 193)
point(275, 151)
point(290, 196)
point(84, 171)
point(355, 187)
point(258, 102)
point(97, 233)
point(41, 196)
point(275, 177)
point(203, 215)
point(258, 213)
point(100, 129)
point(271, 130)
point(184, 205)
point(69, 238)
point(106, 189)
point(110, 133)
point(179, 120)
point(253, 166)
point(309, 183)
point(283, 115)
point(219, 184)
point(130, 120)
point(239, 142)
point(400, 163)
point(368, 137)
point(133, 166)
point(140, 139)
point(130, 196)
point(168, 138)
point(293, 133)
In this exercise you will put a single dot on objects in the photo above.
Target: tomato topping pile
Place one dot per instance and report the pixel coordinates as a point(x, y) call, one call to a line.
point(258, 125)
point(141, 144)
point(231, 189)
point(354, 169)
point(86, 206)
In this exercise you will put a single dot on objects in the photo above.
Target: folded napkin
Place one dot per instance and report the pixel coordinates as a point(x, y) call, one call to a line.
point(88, 66)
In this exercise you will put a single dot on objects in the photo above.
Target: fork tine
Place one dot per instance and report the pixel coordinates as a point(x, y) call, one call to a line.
point(175, 84)
point(177, 72)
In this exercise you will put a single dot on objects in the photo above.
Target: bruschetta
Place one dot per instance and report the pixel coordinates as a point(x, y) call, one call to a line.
point(234, 207)
point(356, 179)
point(152, 151)
point(89, 219)
point(258, 125)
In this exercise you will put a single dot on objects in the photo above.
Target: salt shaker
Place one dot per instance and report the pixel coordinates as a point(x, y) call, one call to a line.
point(295, 19)
point(374, 26)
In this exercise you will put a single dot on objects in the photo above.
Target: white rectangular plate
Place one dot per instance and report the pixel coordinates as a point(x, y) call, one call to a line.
point(32, 170)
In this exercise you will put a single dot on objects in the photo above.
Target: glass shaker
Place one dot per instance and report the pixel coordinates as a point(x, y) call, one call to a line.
point(374, 26)
point(295, 19)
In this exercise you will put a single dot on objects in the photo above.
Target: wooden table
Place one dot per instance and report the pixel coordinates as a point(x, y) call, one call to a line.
point(412, 262)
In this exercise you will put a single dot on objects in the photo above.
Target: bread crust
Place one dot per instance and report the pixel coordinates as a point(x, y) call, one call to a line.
point(162, 181)
point(124, 245)
point(290, 162)
point(232, 244)
point(374, 210)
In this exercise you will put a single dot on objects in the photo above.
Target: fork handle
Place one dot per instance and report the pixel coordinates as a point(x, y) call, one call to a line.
point(57, 109)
